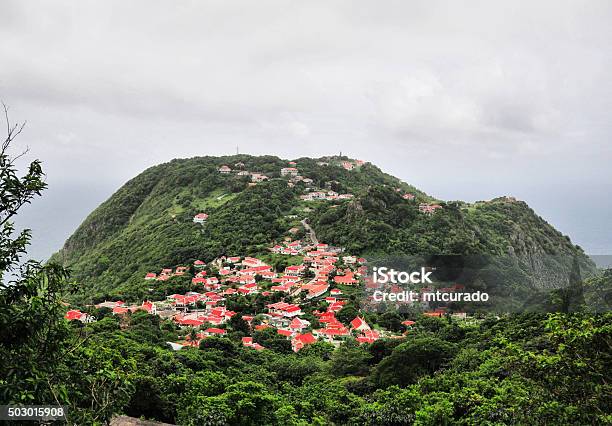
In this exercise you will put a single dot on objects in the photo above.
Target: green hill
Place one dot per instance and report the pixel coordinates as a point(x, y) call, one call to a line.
point(147, 224)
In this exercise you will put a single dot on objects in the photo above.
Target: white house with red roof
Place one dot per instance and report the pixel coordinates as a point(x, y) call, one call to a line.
point(289, 171)
point(214, 332)
point(285, 287)
point(332, 333)
point(225, 170)
point(359, 324)
point(76, 315)
point(347, 279)
point(120, 310)
point(336, 306)
point(258, 177)
point(284, 309)
point(250, 288)
point(285, 332)
point(200, 218)
point(149, 306)
point(246, 278)
point(73, 314)
point(188, 322)
point(248, 342)
point(429, 208)
point(315, 289)
point(294, 270)
point(253, 270)
point(298, 324)
point(251, 262)
point(368, 336)
point(225, 271)
point(180, 270)
point(297, 245)
point(301, 340)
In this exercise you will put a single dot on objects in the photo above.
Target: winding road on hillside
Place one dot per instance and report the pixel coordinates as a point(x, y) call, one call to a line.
point(311, 232)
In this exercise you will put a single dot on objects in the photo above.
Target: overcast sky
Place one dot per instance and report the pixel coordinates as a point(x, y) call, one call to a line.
point(466, 100)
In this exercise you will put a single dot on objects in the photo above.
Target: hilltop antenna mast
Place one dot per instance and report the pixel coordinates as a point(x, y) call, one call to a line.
point(237, 150)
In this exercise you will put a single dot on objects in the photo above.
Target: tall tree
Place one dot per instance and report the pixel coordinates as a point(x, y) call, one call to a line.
point(31, 325)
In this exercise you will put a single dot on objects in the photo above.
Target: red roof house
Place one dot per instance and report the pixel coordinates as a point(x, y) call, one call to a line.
point(301, 340)
point(73, 315)
point(359, 324)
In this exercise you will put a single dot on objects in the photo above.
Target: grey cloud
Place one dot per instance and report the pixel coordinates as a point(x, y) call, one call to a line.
point(436, 92)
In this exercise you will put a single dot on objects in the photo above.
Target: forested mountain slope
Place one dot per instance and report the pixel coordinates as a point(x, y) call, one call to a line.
point(147, 224)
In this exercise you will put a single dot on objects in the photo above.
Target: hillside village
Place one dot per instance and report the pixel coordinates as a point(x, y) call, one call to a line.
point(311, 192)
point(317, 284)
point(323, 275)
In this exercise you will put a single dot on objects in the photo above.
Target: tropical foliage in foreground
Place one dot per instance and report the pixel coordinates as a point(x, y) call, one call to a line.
point(530, 369)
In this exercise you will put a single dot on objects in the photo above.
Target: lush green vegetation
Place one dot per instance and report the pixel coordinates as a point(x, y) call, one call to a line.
point(516, 370)
point(380, 221)
point(148, 224)
point(521, 369)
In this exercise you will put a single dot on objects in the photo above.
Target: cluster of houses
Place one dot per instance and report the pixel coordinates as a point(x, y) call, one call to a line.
point(294, 177)
point(347, 165)
point(256, 177)
point(426, 208)
point(325, 268)
point(291, 171)
point(406, 196)
point(167, 273)
point(350, 165)
point(325, 195)
point(308, 183)
point(429, 208)
point(316, 194)
point(119, 307)
point(319, 276)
